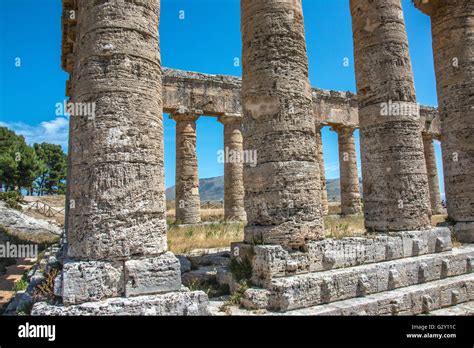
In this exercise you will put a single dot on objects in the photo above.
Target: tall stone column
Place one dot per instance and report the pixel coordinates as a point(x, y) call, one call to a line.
point(233, 169)
point(117, 243)
point(349, 176)
point(433, 182)
point(282, 192)
point(188, 201)
point(452, 24)
point(320, 159)
point(395, 183)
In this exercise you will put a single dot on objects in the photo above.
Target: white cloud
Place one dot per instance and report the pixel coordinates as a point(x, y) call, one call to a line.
point(331, 170)
point(53, 132)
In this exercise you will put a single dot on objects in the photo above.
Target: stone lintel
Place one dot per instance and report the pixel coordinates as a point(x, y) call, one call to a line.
point(274, 261)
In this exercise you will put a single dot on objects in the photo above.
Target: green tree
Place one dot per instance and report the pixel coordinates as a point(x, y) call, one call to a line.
point(19, 165)
point(52, 175)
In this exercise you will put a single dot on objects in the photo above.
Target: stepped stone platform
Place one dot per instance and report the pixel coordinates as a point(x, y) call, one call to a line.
point(414, 300)
point(418, 271)
point(273, 261)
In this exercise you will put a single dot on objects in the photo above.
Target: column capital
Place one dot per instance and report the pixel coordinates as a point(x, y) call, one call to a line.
point(343, 129)
point(230, 119)
point(319, 125)
point(428, 136)
point(428, 7)
point(185, 114)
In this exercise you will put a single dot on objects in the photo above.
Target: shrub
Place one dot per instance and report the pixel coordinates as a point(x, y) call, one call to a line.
point(12, 198)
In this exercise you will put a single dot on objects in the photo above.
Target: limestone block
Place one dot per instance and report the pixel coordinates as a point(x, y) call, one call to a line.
point(255, 299)
point(185, 264)
point(464, 232)
point(200, 276)
point(152, 275)
point(87, 281)
point(173, 303)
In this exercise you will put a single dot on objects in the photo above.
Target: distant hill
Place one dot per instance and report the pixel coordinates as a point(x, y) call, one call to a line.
point(212, 189)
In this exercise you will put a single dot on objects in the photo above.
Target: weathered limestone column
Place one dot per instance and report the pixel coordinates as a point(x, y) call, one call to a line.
point(433, 181)
point(395, 184)
point(320, 159)
point(117, 242)
point(188, 201)
point(349, 176)
point(452, 24)
point(282, 192)
point(233, 169)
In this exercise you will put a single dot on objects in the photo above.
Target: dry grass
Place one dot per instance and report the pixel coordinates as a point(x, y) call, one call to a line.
point(437, 219)
point(182, 240)
point(207, 215)
point(340, 227)
point(334, 208)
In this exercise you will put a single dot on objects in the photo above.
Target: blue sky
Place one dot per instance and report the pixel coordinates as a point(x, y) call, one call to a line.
point(206, 40)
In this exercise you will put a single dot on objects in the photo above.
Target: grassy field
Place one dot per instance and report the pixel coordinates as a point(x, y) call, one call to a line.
point(215, 234)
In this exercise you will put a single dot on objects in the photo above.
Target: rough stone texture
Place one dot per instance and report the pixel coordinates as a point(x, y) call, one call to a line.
point(152, 275)
point(172, 304)
point(255, 299)
point(185, 264)
point(273, 261)
point(16, 221)
point(349, 176)
point(452, 24)
point(202, 275)
point(87, 281)
point(188, 202)
point(396, 193)
point(282, 192)
point(432, 170)
point(234, 193)
point(320, 160)
point(116, 186)
point(335, 285)
point(413, 300)
point(462, 309)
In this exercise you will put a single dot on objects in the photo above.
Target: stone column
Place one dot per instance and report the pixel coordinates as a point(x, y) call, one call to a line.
point(282, 192)
point(349, 176)
point(452, 24)
point(320, 158)
point(188, 201)
point(117, 226)
point(395, 183)
point(233, 169)
point(433, 182)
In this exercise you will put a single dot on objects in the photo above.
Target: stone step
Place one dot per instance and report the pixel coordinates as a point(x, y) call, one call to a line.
point(434, 297)
point(462, 309)
point(273, 261)
point(315, 288)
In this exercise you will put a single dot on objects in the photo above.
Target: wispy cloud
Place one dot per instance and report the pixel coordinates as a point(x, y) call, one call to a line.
point(54, 131)
point(331, 170)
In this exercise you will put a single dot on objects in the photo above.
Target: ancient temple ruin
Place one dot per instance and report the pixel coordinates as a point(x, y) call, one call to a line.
point(117, 260)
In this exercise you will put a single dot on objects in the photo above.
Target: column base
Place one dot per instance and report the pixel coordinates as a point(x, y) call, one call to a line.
point(464, 232)
point(183, 302)
point(90, 281)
